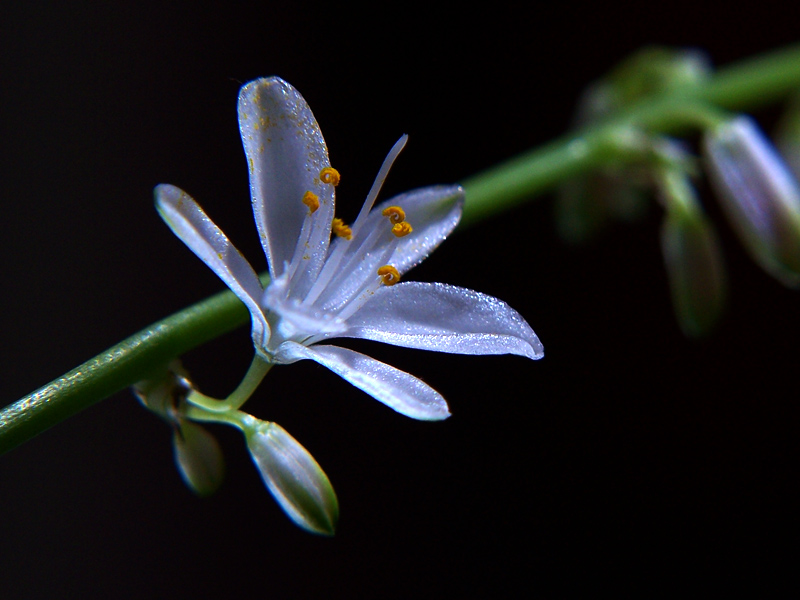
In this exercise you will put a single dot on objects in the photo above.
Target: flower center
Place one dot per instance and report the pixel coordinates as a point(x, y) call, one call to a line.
point(352, 270)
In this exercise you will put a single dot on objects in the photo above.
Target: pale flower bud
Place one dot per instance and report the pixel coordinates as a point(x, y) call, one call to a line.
point(293, 477)
point(758, 194)
point(197, 454)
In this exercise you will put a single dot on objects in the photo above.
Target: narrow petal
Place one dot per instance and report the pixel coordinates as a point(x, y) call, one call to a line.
point(294, 478)
point(285, 153)
point(188, 221)
point(395, 388)
point(445, 318)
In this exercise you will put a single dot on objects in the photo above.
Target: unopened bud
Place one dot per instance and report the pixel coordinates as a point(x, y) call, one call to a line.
point(293, 477)
point(198, 458)
point(693, 259)
point(758, 194)
point(162, 391)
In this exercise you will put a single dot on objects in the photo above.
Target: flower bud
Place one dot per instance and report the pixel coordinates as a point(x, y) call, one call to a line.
point(293, 477)
point(198, 458)
point(758, 194)
point(693, 259)
point(163, 390)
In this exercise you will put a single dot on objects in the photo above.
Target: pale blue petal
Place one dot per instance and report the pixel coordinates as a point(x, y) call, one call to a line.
point(285, 153)
point(445, 318)
point(395, 388)
point(188, 221)
point(294, 478)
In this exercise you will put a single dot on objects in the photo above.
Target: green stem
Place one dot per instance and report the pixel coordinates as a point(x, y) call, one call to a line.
point(235, 418)
point(747, 85)
point(119, 367)
point(254, 376)
point(541, 169)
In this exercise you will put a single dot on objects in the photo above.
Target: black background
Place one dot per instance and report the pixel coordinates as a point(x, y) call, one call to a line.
point(627, 453)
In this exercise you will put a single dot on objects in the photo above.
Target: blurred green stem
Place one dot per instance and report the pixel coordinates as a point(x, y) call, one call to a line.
point(746, 85)
point(743, 86)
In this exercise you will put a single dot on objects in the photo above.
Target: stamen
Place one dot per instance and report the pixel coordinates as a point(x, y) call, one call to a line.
point(331, 272)
point(301, 251)
point(389, 275)
point(341, 229)
point(330, 175)
point(311, 200)
point(395, 214)
point(402, 229)
point(376, 186)
point(348, 298)
point(334, 271)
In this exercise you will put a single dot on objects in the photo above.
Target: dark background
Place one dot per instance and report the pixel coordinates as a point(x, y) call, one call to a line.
point(627, 452)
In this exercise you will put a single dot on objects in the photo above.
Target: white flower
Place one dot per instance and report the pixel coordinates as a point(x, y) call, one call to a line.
point(345, 288)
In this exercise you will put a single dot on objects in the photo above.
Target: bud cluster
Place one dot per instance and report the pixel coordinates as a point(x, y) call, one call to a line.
point(756, 189)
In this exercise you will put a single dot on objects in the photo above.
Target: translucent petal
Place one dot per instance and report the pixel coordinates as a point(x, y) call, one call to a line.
point(285, 154)
point(445, 318)
point(294, 478)
point(395, 388)
point(188, 221)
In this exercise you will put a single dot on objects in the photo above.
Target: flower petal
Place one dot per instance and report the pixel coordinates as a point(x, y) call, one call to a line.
point(285, 153)
point(445, 318)
point(188, 221)
point(395, 388)
point(294, 478)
